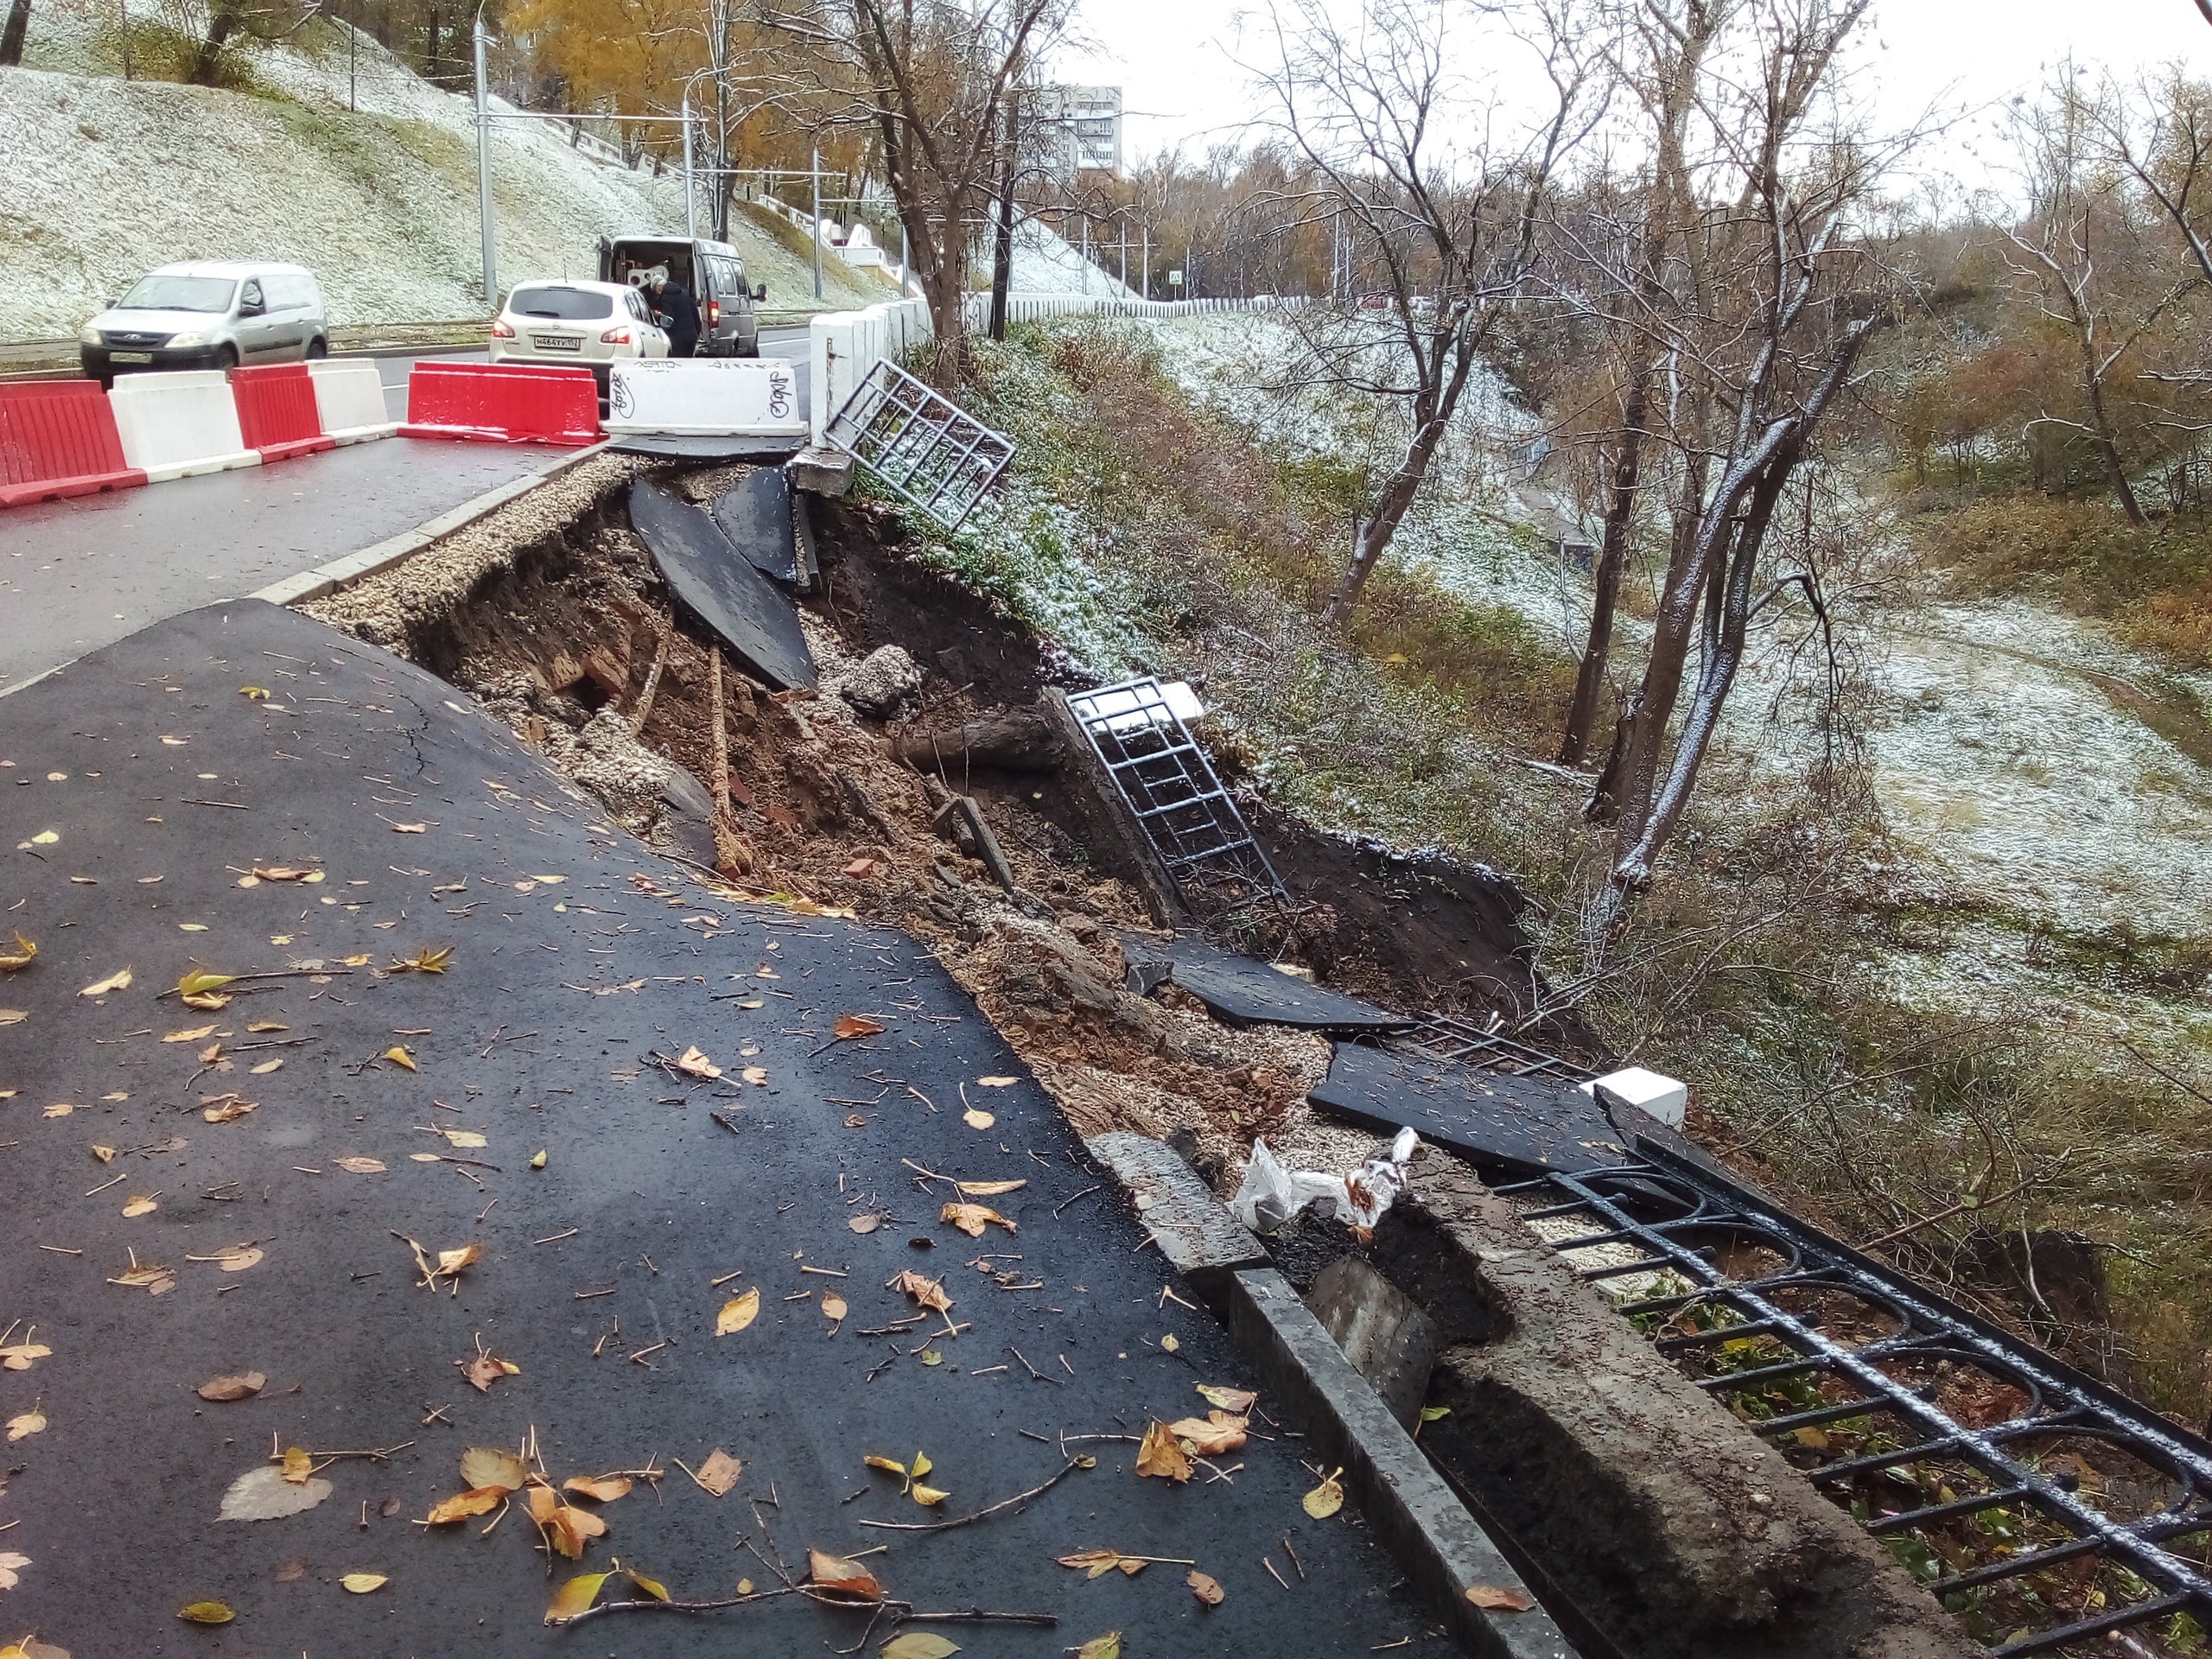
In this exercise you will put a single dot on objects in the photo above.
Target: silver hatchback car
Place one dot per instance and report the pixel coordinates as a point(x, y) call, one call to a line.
point(207, 315)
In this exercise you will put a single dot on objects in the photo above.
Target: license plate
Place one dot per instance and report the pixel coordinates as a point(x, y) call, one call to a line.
point(555, 343)
point(131, 357)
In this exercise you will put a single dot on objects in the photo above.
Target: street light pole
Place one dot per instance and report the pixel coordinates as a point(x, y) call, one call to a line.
point(1147, 229)
point(484, 179)
point(691, 202)
point(816, 177)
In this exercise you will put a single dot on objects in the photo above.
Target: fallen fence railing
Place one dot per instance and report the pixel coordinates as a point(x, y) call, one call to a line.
point(923, 446)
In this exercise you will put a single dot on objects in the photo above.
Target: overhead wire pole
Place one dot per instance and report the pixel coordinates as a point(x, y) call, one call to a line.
point(484, 178)
point(690, 196)
point(816, 178)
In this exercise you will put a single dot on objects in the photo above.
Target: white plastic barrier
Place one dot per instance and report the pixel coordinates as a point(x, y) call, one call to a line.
point(180, 422)
point(349, 400)
point(846, 344)
point(705, 396)
point(1664, 1099)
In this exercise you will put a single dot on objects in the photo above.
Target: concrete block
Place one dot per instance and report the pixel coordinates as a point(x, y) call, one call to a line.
point(349, 400)
point(1389, 1339)
point(1664, 1099)
point(820, 469)
point(178, 423)
point(699, 397)
point(1200, 1239)
point(1442, 1547)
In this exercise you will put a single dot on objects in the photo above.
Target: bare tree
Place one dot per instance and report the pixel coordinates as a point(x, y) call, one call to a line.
point(1448, 236)
point(1773, 301)
point(930, 79)
point(12, 32)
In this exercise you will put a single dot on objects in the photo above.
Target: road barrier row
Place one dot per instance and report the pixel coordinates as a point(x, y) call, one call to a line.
point(502, 403)
point(698, 397)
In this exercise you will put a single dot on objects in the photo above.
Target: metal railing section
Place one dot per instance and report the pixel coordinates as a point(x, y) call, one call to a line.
point(1190, 820)
point(1663, 1215)
point(928, 450)
point(1447, 1037)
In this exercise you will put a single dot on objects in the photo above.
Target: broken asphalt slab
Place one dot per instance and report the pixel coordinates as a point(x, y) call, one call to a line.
point(1519, 1126)
point(151, 788)
point(1244, 991)
point(757, 622)
point(755, 513)
point(704, 448)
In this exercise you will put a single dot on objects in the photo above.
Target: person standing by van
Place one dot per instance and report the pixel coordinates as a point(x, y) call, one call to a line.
point(679, 312)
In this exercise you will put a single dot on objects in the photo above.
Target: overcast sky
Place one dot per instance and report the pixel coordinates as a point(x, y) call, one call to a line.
point(1175, 60)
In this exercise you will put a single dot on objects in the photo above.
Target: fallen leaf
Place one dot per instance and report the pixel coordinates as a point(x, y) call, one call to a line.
point(926, 1293)
point(931, 1357)
point(19, 956)
point(1325, 1499)
point(263, 1494)
point(399, 1055)
point(988, 1189)
point(9, 1564)
point(230, 1111)
point(298, 1465)
point(362, 1583)
point(60, 1109)
point(1221, 1432)
point(266, 1067)
point(915, 1644)
point(154, 1281)
point(867, 1223)
point(23, 1355)
point(48, 837)
point(477, 1500)
point(1236, 1399)
point(467, 1140)
point(360, 1166)
point(833, 1305)
point(22, 1427)
point(257, 693)
point(199, 981)
point(235, 1258)
point(1108, 1646)
point(15, 1017)
point(849, 1025)
point(538, 1162)
point(1204, 1588)
point(603, 1489)
point(485, 1370)
point(450, 1262)
point(425, 960)
point(292, 1571)
point(1170, 1343)
point(243, 1386)
point(719, 1472)
point(1160, 1454)
point(105, 1154)
point(834, 1572)
point(1096, 1563)
point(930, 1495)
point(266, 1025)
point(977, 1119)
point(492, 1465)
point(575, 1597)
point(409, 829)
point(652, 1587)
point(206, 1612)
point(210, 1054)
point(118, 981)
point(998, 1083)
point(738, 1313)
point(861, 866)
point(425, 1158)
point(970, 1218)
point(1500, 1600)
point(756, 1075)
point(693, 1064)
point(206, 1000)
point(193, 1035)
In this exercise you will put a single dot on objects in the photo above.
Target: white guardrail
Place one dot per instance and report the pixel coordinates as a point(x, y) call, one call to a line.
point(843, 346)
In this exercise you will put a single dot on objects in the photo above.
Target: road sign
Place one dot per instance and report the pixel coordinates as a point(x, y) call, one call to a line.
point(1174, 279)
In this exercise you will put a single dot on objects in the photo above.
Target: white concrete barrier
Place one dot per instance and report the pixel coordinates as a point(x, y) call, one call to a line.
point(753, 397)
point(176, 423)
point(349, 400)
point(1665, 1098)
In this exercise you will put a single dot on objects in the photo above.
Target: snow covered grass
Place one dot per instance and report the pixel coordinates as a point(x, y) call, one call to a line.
point(107, 178)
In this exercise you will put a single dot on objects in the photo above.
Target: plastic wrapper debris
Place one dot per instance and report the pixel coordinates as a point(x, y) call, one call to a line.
point(1271, 1193)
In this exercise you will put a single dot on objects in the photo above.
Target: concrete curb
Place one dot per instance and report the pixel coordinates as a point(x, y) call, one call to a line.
point(398, 549)
point(1443, 1549)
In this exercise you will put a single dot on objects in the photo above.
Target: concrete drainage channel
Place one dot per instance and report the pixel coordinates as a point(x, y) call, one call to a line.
point(1570, 1491)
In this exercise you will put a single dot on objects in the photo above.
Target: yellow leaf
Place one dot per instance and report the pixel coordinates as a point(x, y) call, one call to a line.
point(22, 1427)
point(1170, 1343)
point(969, 1218)
point(1096, 1563)
point(652, 1587)
point(998, 1083)
point(889, 1466)
point(604, 1489)
point(23, 1355)
point(849, 1025)
point(19, 956)
point(266, 1067)
point(105, 1154)
point(399, 1055)
point(492, 1465)
point(915, 1644)
point(191, 1034)
point(231, 1110)
point(1158, 1454)
point(298, 1465)
point(976, 1119)
point(738, 1313)
point(833, 1305)
point(1218, 1432)
point(425, 960)
point(409, 829)
point(450, 1262)
point(199, 981)
point(1108, 1646)
point(9, 1561)
point(360, 1166)
point(1325, 1499)
point(257, 693)
point(206, 1612)
point(575, 1597)
point(756, 1075)
point(538, 1162)
point(119, 981)
point(988, 1189)
point(694, 1064)
point(206, 1000)
point(926, 1293)
point(362, 1583)
point(267, 1025)
point(466, 1138)
point(930, 1495)
point(140, 1207)
point(834, 1572)
point(480, 1500)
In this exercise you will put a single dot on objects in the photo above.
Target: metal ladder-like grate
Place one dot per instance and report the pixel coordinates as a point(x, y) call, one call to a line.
point(1189, 821)
point(1444, 1037)
point(931, 452)
point(2047, 1509)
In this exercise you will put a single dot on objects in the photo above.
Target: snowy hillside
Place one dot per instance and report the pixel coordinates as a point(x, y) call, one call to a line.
point(107, 178)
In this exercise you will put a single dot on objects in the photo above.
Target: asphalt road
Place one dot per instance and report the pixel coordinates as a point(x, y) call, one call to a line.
point(146, 785)
point(78, 574)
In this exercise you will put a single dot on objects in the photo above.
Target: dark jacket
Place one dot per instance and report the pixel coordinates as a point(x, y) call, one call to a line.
point(681, 312)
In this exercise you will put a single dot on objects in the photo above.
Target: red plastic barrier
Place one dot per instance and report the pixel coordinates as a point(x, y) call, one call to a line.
point(58, 438)
point(277, 410)
point(502, 403)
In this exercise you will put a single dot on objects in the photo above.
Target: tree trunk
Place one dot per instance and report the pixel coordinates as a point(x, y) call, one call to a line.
point(1624, 786)
point(11, 36)
point(2108, 443)
point(1375, 533)
point(220, 21)
point(1590, 682)
point(1002, 245)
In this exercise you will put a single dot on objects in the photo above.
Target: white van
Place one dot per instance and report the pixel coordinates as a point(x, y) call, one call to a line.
point(207, 315)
